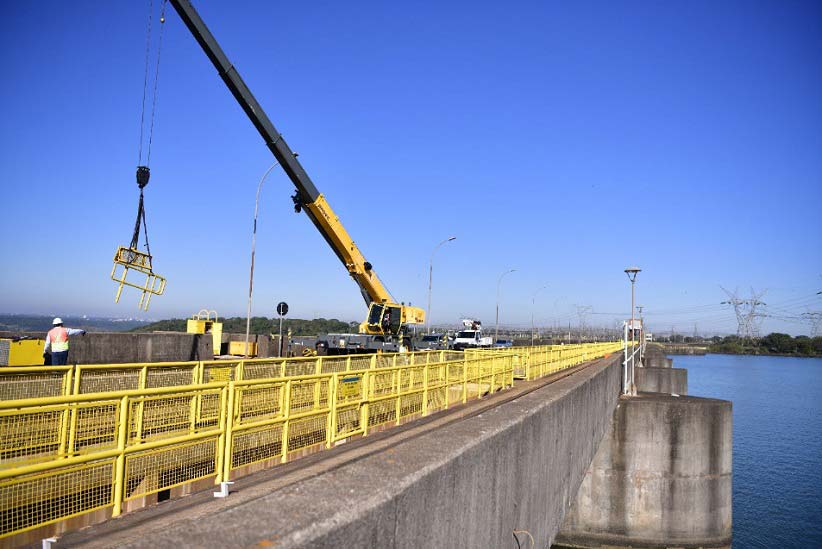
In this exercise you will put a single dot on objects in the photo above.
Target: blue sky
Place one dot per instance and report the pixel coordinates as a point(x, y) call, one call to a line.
point(566, 141)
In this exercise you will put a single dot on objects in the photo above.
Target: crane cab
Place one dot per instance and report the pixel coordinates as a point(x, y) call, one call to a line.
point(383, 319)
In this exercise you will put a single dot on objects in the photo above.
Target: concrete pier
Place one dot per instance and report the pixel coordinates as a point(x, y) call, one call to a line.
point(653, 360)
point(662, 380)
point(662, 475)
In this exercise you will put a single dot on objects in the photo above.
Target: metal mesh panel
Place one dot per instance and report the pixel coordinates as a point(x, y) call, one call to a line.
point(30, 436)
point(436, 399)
point(383, 411)
point(94, 426)
point(158, 469)
point(259, 402)
point(348, 421)
point(382, 382)
point(360, 362)
point(18, 386)
point(306, 432)
point(331, 364)
point(403, 359)
point(209, 410)
point(221, 372)
point(437, 373)
point(28, 501)
point(310, 394)
point(256, 445)
point(169, 377)
point(410, 404)
point(411, 378)
point(301, 367)
point(107, 380)
point(160, 417)
point(261, 370)
point(384, 361)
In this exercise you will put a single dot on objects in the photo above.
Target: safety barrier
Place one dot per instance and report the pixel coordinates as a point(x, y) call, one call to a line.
point(45, 381)
point(64, 456)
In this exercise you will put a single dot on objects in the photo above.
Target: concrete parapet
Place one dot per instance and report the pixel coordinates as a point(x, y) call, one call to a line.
point(469, 483)
point(662, 380)
point(113, 348)
point(661, 477)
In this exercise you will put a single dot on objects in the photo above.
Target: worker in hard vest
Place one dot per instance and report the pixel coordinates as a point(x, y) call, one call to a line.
point(57, 342)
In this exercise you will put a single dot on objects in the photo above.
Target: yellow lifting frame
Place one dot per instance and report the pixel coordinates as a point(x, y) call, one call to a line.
point(135, 260)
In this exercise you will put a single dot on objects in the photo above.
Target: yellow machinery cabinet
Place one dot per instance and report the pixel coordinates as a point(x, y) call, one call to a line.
point(237, 348)
point(204, 323)
point(21, 352)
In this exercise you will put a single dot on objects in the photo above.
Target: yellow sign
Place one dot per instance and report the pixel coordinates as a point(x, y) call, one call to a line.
point(350, 387)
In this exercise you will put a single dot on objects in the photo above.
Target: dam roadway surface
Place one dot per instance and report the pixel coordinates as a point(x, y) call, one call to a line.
point(507, 465)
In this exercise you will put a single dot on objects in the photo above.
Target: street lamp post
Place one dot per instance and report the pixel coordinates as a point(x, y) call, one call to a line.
point(533, 305)
point(641, 334)
point(253, 246)
point(430, 279)
point(632, 272)
point(496, 329)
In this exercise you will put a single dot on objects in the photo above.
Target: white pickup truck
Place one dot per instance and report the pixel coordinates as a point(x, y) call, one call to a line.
point(471, 336)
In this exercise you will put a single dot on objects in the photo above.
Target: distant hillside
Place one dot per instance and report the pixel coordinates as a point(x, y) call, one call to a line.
point(40, 323)
point(260, 325)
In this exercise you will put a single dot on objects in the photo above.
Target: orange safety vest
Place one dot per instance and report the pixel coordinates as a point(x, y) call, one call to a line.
point(58, 336)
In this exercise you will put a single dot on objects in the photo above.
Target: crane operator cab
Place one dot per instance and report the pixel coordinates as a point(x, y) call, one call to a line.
point(383, 318)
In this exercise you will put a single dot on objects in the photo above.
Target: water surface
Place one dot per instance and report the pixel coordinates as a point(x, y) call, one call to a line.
point(777, 461)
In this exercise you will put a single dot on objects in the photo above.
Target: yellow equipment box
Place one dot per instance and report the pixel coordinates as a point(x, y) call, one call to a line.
point(203, 323)
point(237, 348)
point(21, 352)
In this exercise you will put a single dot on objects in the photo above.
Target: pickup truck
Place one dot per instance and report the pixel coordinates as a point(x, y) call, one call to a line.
point(471, 338)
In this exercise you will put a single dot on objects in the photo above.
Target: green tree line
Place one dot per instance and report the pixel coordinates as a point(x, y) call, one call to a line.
point(261, 325)
point(771, 344)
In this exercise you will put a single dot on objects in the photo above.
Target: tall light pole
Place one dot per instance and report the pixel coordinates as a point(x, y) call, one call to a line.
point(641, 333)
point(253, 246)
point(632, 272)
point(533, 302)
point(496, 330)
point(430, 279)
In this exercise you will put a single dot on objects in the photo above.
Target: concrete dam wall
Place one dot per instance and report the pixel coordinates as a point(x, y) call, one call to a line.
point(510, 468)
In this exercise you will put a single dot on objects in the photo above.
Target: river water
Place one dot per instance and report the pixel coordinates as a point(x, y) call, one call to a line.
point(777, 461)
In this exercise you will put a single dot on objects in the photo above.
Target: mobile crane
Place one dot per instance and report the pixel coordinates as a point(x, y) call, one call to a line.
point(387, 321)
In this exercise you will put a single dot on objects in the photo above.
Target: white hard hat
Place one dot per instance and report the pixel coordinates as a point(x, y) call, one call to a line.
point(57, 321)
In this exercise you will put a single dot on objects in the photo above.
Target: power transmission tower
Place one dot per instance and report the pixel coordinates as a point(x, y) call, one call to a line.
point(582, 312)
point(815, 318)
point(755, 317)
point(748, 318)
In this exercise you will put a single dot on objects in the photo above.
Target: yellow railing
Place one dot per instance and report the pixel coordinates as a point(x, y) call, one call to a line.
point(63, 456)
point(44, 381)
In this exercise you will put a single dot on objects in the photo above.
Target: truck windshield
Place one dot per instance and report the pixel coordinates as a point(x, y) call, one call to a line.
point(431, 338)
point(466, 335)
